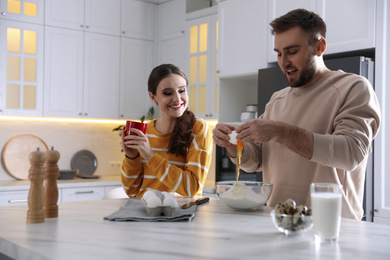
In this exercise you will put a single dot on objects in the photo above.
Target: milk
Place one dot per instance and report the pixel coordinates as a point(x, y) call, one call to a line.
point(326, 211)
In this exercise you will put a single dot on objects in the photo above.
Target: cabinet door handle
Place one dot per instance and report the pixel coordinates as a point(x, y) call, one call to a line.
point(84, 192)
point(3, 13)
point(86, 114)
point(17, 201)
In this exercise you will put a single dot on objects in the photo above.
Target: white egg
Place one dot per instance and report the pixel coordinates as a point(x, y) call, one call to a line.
point(233, 137)
point(148, 194)
point(153, 201)
point(170, 201)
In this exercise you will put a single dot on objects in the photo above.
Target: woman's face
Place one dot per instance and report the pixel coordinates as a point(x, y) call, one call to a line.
point(171, 96)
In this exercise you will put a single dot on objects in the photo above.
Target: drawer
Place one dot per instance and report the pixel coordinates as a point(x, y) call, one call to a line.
point(11, 198)
point(81, 194)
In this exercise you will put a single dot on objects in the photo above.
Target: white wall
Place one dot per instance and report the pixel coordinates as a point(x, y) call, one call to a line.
point(68, 138)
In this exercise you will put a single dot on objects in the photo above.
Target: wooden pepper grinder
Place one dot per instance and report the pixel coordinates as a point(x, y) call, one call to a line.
point(36, 195)
point(51, 189)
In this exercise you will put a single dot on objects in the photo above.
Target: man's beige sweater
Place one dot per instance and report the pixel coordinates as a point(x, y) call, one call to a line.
point(343, 113)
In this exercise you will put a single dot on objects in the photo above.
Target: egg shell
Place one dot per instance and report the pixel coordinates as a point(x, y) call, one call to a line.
point(233, 137)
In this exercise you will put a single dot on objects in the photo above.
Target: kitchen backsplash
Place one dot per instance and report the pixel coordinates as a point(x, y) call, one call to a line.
point(69, 138)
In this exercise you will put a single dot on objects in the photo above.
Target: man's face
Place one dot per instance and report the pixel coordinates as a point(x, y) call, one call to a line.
point(295, 56)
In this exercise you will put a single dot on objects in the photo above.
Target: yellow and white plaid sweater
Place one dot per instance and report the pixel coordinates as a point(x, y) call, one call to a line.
point(165, 171)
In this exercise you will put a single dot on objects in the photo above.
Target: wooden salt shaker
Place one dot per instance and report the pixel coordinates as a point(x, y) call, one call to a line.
point(36, 195)
point(51, 189)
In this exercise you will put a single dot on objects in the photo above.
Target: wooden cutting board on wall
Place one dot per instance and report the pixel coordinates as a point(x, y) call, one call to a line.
point(16, 154)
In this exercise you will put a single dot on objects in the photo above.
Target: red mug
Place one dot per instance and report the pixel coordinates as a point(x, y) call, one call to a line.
point(136, 125)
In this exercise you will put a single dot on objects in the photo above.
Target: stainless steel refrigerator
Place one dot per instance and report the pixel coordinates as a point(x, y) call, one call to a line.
point(272, 79)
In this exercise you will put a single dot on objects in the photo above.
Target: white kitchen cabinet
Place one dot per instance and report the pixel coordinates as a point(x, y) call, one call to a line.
point(21, 68)
point(277, 8)
point(138, 19)
point(172, 44)
point(13, 198)
point(19, 196)
point(100, 16)
point(171, 17)
point(243, 30)
point(202, 75)
point(350, 24)
point(64, 72)
point(101, 76)
point(82, 74)
point(136, 65)
point(28, 11)
point(82, 193)
point(173, 51)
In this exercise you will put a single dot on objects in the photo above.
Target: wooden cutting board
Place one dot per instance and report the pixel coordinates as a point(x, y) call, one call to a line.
point(16, 154)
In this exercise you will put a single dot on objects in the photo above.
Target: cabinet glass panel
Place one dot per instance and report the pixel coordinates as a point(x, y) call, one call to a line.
point(29, 97)
point(30, 9)
point(202, 68)
point(13, 94)
point(30, 42)
point(193, 70)
point(13, 68)
point(13, 40)
point(14, 6)
point(29, 71)
point(202, 99)
point(203, 37)
point(192, 96)
point(194, 39)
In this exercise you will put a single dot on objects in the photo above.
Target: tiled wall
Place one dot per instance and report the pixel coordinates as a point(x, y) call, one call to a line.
point(68, 138)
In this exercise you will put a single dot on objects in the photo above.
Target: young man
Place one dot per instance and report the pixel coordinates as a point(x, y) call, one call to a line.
point(319, 129)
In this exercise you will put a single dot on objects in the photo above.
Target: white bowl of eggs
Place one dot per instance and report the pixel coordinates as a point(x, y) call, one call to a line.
point(159, 203)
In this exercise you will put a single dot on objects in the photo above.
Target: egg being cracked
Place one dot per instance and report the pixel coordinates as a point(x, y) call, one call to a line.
point(233, 137)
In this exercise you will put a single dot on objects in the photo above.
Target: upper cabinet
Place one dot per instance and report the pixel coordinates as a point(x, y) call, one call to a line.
point(171, 17)
point(171, 34)
point(202, 41)
point(136, 65)
point(242, 37)
point(350, 24)
point(100, 16)
point(81, 74)
point(21, 68)
point(29, 11)
point(138, 20)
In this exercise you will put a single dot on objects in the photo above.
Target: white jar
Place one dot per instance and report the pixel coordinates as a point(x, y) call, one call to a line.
point(247, 115)
point(251, 107)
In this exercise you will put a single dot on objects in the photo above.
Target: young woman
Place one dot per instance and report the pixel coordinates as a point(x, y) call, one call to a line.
point(175, 153)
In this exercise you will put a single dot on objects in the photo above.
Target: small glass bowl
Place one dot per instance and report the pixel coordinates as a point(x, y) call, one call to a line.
point(291, 224)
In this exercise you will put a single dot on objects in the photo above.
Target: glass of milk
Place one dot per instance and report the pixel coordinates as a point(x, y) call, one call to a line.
point(326, 210)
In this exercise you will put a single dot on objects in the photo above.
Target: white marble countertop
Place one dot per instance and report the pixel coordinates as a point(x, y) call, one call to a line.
point(216, 232)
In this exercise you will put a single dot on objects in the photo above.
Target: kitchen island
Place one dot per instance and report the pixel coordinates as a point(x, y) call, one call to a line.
point(216, 232)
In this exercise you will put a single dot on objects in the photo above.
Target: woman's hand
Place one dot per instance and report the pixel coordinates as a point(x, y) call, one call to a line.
point(132, 144)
